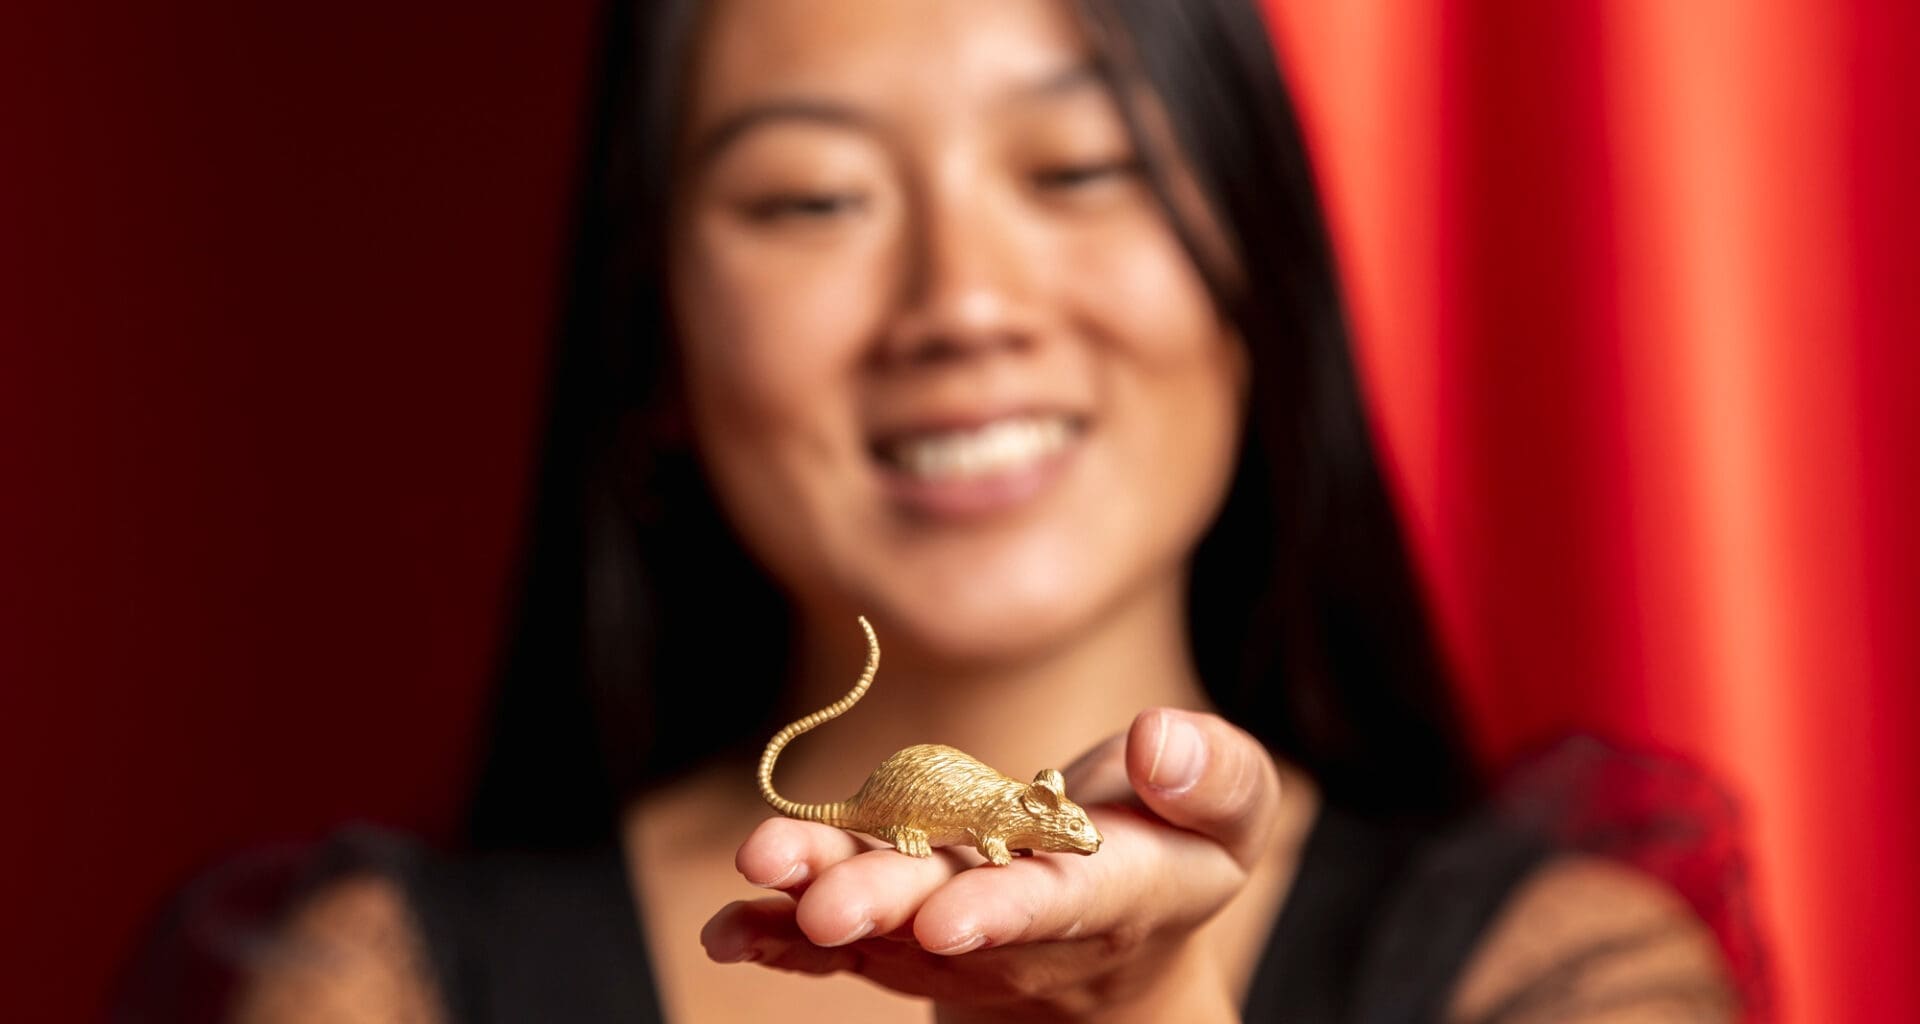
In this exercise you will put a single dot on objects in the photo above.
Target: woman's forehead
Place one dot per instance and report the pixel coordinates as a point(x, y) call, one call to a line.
point(911, 56)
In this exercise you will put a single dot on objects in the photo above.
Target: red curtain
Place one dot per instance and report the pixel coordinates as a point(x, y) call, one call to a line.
point(1634, 287)
point(274, 286)
point(275, 294)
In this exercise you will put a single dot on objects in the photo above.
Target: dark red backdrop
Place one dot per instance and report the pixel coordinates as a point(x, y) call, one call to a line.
point(1631, 281)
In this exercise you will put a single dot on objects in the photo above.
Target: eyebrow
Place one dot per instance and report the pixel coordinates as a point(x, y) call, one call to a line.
point(738, 123)
point(830, 113)
point(1066, 80)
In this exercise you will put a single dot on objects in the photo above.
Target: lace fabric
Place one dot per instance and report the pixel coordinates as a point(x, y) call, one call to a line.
point(502, 937)
point(1661, 814)
point(228, 924)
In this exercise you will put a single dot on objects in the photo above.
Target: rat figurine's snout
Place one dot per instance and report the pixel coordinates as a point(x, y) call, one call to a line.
point(1090, 843)
point(1059, 824)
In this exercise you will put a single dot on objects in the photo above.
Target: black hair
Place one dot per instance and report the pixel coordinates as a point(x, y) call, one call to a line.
point(636, 608)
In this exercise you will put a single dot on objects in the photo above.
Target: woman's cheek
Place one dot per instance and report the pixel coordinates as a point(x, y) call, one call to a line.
point(799, 319)
point(764, 341)
point(1175, 366)
point(773, 347)
point(1138, 282)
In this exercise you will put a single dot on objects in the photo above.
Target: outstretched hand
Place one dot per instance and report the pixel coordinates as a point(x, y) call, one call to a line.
point(1187, 804)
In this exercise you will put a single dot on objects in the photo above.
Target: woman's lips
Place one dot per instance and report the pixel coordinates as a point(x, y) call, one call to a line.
point(976, 473)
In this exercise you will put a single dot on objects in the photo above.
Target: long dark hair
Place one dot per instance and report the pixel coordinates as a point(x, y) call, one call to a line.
point(643, 639)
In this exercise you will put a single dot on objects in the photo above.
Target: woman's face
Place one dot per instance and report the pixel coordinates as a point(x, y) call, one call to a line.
point(946, 361)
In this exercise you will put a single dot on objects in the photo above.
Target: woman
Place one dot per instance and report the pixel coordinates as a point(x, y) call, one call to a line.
point(1013, 327)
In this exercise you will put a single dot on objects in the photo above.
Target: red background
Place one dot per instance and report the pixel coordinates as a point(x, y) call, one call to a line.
point(1632, 284)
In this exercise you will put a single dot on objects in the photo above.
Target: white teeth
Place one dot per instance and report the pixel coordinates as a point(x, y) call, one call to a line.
point(994, 448)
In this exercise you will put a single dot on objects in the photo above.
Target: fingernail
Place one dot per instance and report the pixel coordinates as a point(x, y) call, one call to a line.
point(745, 954)
point(1179, 757)
point(794, 876)
point(865, 929)
point(967, 944)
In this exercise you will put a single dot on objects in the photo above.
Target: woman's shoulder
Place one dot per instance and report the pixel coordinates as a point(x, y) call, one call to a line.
point(308, 931)
point(1594, 883)
point(372, 925)
point(350, 951)
point(1638, 906)
point(1592, 939)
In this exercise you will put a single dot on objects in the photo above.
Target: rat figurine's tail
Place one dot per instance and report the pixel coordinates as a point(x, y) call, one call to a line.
point(828, 813)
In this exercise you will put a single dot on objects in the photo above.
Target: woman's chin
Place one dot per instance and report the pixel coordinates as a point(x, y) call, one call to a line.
point(985, 598)
point(983, 635)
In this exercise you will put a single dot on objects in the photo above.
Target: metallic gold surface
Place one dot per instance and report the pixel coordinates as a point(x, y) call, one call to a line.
point(929, 795)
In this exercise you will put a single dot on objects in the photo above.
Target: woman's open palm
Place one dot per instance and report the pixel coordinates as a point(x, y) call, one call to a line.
point(1187, 804)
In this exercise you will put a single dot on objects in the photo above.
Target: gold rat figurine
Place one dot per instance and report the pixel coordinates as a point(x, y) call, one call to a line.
point(930, 795)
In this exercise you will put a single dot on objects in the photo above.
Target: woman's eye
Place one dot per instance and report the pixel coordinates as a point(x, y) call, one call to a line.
point(1072, 176)
point(804, 206)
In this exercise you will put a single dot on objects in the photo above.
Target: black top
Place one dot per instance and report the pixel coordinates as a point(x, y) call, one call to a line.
point(1377, 927)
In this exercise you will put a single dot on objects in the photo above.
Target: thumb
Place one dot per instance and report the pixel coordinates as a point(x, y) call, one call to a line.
point(1206, 775)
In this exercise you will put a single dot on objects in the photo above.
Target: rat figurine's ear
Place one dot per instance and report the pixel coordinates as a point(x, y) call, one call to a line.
point(1045, 794)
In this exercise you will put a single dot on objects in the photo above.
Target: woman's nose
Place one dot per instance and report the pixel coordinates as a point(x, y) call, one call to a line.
point(966, 290)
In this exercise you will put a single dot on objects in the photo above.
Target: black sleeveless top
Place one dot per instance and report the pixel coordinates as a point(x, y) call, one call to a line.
point(1376, 929)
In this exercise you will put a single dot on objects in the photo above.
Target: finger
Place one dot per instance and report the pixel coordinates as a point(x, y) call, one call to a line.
point(787, 854)
point(872, 894)
point(1202, 773)
point(988, 978)
point(730, 935)
point(763, 931)
point(1099, 776)
point(1146, 875)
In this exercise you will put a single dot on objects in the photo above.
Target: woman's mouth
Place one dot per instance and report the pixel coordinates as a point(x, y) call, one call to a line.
point(997, 447)
point(978, 470)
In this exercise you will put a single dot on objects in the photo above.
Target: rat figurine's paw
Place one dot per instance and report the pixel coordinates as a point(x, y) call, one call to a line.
point(911, 842)
point(995, 850)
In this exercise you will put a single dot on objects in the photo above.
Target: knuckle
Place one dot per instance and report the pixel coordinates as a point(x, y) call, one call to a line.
point(1244, 787)
point(1029, 979)
point(1242, 791)
point(824, 923)
point(838, 884)
point(1123, 939)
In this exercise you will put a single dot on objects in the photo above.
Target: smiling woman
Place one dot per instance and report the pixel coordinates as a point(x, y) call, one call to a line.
point(945, 359)
point(1013, 327)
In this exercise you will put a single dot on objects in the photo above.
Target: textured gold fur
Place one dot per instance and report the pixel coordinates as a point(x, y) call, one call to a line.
point(929, 795)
